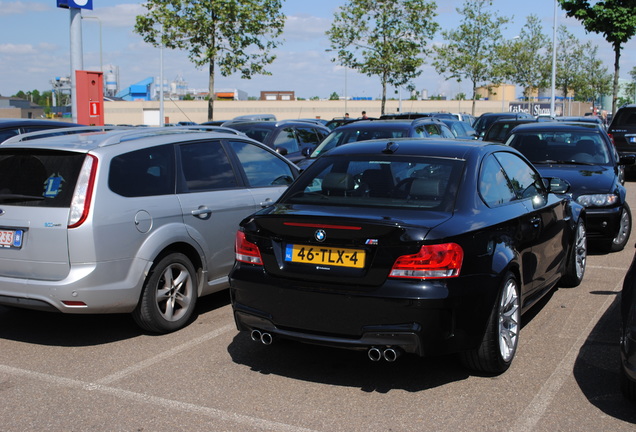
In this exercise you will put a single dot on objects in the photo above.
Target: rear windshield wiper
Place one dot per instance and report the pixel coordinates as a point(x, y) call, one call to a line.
point(563, 162)
point(19, 197)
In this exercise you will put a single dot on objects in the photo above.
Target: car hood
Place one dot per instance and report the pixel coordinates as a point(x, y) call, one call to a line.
point(583, 179)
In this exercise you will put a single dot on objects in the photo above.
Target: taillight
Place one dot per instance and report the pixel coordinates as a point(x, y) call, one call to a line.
point(81, 201)
point(432, 261)
point(246, 251)
point(611, 137)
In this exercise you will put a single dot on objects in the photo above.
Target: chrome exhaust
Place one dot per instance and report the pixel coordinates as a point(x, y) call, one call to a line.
point(391, 354)
point(256, 335)
point(267, 339)
point(374, 354)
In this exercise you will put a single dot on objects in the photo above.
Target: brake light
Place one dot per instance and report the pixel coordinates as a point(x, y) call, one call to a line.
point(246, 251)
point(611, 137)
point(432, 261)
point(81, 201)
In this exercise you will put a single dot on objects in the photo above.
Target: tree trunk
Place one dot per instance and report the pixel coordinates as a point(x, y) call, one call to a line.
point(472, 112)
point(211, 92)
point(617, 56)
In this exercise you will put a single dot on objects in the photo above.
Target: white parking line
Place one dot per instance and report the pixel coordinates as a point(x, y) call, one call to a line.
point(536, 408)
point(165, 354)
point(214, 413)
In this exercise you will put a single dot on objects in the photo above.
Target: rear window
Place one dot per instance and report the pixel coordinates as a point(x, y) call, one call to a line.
point(562, 147)
point(384, 181)
point(625, 117)
point(38, 178)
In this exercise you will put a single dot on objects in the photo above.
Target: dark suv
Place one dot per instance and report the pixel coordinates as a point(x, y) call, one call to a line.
point(622, 130)
point(288, 137)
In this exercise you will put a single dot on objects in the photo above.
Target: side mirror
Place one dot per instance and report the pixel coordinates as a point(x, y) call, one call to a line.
point(281, 151)
point(556, 185)
point(306, 151)
point(627, 160)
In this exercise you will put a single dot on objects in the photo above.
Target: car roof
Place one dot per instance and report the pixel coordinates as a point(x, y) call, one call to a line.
point(449, 148)
point(266, 124)
point(84, 139)
point(383, 123)
point(557, 127)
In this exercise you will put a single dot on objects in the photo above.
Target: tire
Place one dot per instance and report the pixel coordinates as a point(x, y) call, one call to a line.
point(575, 268)
point(169, 295)
point(628, 387)
point(499, 344)
point(625, 228)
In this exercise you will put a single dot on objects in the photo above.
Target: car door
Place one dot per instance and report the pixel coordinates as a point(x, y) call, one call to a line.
point(213, 201)
point(266, 174)
point(547, 222)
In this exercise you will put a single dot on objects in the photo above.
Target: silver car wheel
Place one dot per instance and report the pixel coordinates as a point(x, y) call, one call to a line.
point(624, 228)
point(509, 314)
point(580, 250)
point(174, 292)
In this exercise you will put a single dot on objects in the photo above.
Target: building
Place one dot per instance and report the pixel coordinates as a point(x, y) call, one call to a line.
point(13, 107)
point(278, 95)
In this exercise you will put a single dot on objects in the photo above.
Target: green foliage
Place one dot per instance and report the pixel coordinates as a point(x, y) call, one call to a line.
point(385, 38)
point(235, 35)
point(472, 50)
point(334, 96)
point(614, 19)
point(524, 59)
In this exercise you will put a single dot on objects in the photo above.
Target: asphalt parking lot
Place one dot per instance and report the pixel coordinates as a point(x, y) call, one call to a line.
point(101, 373)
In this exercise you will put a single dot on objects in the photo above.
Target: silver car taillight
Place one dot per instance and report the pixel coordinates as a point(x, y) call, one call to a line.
point(81, 201)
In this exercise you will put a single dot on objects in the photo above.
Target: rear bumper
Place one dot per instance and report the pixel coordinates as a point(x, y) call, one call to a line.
point(105, 287)
point(423, 318)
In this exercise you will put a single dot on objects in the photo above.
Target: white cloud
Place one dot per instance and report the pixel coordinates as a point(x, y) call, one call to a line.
point(21, 7)
point(9, 48)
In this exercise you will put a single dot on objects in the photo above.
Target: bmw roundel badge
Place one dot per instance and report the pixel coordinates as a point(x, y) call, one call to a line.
point(320, 235)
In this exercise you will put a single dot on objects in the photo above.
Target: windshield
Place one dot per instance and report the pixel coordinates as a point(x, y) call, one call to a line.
point(561, 147)
point(383, 181)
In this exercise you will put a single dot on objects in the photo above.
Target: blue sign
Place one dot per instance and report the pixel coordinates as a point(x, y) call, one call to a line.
point(76, 4)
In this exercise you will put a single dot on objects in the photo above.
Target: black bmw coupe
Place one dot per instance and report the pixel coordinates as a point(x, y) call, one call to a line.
point(408, 246)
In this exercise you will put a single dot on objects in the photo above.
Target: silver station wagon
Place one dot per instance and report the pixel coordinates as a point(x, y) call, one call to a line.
point(128, 221)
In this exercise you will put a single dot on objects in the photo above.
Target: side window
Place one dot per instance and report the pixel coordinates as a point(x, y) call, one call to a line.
point(206, 167)
point(307, 136)
point(5, 134)
point(287, 139)
point(261, 167)
point(525, 180)
point(494, 187)
point(145, 172)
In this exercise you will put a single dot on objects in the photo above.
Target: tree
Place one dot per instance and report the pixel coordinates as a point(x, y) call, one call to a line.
point(385, 38)
point(235, 35)
point(570, 71)
point(334, 96)
point(524, 59)
point(596, 80)
point(615, 19)
point(471, 49)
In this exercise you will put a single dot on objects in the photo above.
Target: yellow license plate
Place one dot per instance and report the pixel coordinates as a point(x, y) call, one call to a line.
point(323, 255)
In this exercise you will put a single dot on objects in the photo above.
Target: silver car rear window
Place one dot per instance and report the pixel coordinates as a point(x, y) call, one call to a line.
point(38, 178)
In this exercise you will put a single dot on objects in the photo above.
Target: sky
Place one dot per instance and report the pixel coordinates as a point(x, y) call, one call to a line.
point(35, 49)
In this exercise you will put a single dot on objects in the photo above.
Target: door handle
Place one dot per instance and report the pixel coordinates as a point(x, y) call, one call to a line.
point(268, 202)
point(202, 212)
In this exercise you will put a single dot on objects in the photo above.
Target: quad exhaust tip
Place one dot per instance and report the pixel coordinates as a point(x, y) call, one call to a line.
point(263, 337)
point(389, 354)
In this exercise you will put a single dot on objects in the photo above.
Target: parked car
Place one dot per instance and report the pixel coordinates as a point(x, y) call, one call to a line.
point(484, 121)
point(465, 117)
point(288, 137)
point(628, 333)
point(582, 119)
point(622, 131)
point(425, 127)
point(500, 129)
point(10, 127)
point(460, 129)
point(582, 154)
point(390, 246)
point(128, 221)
